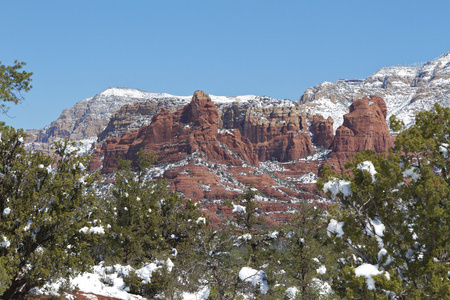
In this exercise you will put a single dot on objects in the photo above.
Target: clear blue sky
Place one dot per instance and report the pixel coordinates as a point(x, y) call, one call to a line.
point(276, 48)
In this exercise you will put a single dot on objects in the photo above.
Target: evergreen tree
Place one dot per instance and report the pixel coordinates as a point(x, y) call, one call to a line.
point(47, 214)
point(306, 256)
point(149, 224)
point(13, 83)
point(216, 263)
point(393, 226)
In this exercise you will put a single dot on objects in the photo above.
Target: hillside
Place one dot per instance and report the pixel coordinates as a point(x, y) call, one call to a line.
point(211, 154)
point(406, 90)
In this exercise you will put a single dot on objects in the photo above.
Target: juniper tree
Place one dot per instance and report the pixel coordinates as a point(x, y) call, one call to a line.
point(47, 214)
point(394, 222)
point(148, 224)
point(13, 83)
point(307, 257)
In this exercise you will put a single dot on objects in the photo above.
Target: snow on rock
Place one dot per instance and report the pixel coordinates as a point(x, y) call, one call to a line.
point(307, 178)
point(108, 281)
point(238, 209)
point(255, 277)
point(335, 227)
point(368, 270)
point(406, 90)
point(369, 167)
point(336, 186)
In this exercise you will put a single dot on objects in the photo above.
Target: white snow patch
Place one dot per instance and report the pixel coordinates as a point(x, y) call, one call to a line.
point(336, 186)
point(94, 230)
point(335, 227)
point(376, 228)
point(273, 234)
point(202, 294)
point(291, 292)
point(238, 209)
point(6, 211)
point(255, 277)
point(443, 149)
point(5, 243)
point(411, 172)
point(201, 219)
point(321, 270)
point(368, 166)
point(368, 270)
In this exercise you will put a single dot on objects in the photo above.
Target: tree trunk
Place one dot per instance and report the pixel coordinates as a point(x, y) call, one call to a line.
point(17, 290)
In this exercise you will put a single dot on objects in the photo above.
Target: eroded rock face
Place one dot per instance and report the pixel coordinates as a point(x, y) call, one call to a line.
point(277, 133)
point(172, 136)
point(322, 130)
point(133, 116)
point(407, 90)
point(364, 128)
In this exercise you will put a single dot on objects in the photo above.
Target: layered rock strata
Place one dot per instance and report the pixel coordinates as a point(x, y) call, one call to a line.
point(322, 130)
point(364, 128)
point(172, 136)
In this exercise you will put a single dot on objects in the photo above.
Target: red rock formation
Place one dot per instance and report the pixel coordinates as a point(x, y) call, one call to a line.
point(364, 128)
point(277, 133)
point(172, 136)
point(322, 130)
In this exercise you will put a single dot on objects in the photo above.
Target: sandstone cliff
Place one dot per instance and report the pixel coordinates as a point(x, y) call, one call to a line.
point(406, 90)
point(172, 136)
point(364, 128)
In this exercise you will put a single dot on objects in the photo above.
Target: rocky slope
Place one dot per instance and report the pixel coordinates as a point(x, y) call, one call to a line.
point(209, 165)
point(406, 90)
point(211, 147)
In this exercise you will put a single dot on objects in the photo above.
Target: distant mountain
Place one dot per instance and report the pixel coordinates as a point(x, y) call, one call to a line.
point(406, 90)
point(211, 147)
point(88, 118)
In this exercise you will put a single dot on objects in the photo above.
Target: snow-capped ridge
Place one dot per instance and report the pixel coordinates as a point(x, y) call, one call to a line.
point(406, 90)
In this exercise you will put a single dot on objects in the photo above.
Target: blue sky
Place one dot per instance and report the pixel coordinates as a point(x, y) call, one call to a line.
point(77, 49)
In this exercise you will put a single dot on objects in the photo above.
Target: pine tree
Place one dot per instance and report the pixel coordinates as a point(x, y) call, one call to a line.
point(395, 216)
point(47, 214)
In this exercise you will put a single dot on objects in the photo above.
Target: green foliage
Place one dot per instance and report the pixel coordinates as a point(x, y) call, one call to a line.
point(12, 83)
point(409, 198)
point(45, 202)
point(222, 251)
point(217, 262)
point(149, 223)
point(395, 124)
point(160, 281)
point(306, 250)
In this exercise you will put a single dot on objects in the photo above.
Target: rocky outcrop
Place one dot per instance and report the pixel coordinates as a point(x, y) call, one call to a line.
point(90, 117)
point(277, 133)
point(172, 136)
point(364, 128)
point(406, 90)
point(322, 130)
point(133, 116)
